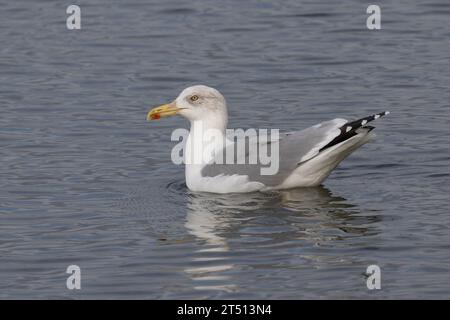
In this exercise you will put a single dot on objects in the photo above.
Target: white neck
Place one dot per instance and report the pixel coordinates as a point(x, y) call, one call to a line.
point(205, 138)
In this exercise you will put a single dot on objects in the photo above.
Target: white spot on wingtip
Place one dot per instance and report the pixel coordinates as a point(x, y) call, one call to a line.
point(363, 122)
point(387, 112)
point(376, 116)
point(348, 129)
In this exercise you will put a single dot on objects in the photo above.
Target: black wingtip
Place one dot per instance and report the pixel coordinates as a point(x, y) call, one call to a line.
point(350, 126)
point(348, 130)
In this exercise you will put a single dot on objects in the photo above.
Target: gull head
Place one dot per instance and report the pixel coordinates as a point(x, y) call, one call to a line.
point(196, 103)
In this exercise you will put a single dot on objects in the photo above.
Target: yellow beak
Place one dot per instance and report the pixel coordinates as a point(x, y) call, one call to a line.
point(163, 111)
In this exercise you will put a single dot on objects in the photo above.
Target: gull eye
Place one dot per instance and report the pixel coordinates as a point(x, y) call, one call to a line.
point(194, 98)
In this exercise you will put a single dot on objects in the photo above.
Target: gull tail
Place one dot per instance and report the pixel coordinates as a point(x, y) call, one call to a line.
point(351, 129)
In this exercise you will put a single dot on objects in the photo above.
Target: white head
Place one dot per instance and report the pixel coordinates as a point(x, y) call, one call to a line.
point(196, 103)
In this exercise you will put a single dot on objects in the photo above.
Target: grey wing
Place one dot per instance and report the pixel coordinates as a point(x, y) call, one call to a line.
point(294, 148)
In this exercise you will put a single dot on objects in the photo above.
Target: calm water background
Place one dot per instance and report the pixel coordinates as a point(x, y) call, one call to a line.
point(85, 180)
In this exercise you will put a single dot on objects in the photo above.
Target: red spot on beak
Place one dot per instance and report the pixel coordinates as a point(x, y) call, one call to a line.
point(155, 116)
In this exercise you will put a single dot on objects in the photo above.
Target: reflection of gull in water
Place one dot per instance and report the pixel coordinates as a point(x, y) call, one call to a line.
point(204, 224)
point(325, 217)
point(207, 217)
point(311, 215)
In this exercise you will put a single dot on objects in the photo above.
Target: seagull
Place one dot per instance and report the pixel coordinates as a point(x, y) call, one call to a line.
point(305, 159)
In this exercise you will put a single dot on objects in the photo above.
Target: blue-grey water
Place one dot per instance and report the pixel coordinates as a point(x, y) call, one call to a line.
point(85, 180)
